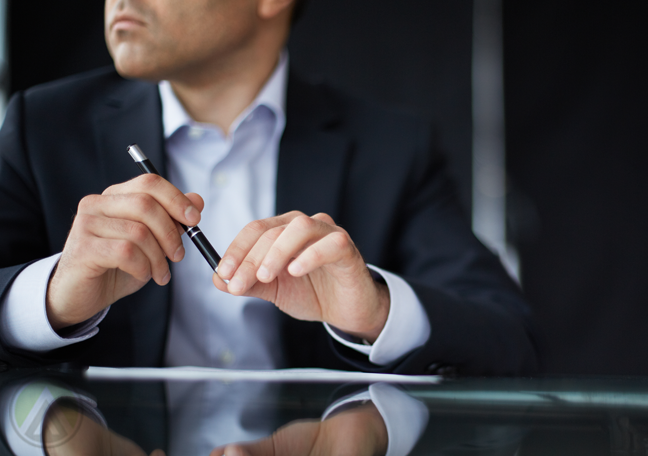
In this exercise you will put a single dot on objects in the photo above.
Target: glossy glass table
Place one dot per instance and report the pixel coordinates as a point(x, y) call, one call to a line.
point(52, 412)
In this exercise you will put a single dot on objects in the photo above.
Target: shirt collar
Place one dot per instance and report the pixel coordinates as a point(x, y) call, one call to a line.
point(272, 95)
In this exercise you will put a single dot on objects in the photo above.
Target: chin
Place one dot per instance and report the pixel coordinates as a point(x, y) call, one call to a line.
point(134, 63)
point(135, 70)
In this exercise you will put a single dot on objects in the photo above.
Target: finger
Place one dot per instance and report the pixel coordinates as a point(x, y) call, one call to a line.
point(176, 203)
point(333, 248)
point(322, 217)
point(300, 233)
point(135, 232)
point(246, 239)
point(260, 448)
point(246, 274)
point(119, 254)
point(142, 208)
point(196, 200)
point(219, 283)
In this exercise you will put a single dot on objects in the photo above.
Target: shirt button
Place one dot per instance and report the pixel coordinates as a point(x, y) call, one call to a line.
point(221, 180)
point(227, 357)
point(196, 133)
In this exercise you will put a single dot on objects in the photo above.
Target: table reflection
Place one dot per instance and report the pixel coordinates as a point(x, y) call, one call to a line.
point(56, 414)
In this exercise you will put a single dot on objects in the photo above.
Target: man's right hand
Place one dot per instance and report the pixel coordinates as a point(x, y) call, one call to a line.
point(119, 241)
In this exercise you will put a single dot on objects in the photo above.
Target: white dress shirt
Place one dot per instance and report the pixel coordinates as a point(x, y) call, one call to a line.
point(235, 174)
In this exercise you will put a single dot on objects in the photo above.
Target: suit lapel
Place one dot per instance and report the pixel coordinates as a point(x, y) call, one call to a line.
point(313, 153)
point(132, 114)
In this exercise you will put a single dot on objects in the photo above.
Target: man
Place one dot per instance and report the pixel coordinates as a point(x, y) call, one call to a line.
point(265, 156)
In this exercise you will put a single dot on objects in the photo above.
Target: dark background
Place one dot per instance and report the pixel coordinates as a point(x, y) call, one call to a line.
point(575, 116)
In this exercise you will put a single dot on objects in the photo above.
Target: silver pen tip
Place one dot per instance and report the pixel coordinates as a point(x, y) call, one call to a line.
point(135, 152)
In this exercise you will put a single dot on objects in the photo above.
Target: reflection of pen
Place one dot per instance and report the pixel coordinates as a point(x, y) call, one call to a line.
point(194, 232)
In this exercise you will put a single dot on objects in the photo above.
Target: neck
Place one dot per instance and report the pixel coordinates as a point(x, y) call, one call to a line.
point(220, 93)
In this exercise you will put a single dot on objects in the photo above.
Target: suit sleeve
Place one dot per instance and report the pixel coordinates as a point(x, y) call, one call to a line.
point(23, 235)
point(480, 323)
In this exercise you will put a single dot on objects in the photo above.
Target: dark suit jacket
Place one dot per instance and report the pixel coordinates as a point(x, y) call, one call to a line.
point(373, 170)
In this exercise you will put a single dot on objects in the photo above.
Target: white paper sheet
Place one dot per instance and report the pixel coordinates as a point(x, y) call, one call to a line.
point(279, 375)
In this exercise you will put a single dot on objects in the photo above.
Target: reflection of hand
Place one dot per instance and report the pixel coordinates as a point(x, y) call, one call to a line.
point(119, 241)
point(88, 439)
point(310, 269)
point(358, 432)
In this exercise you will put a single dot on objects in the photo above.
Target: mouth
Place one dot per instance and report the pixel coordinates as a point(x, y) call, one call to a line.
point(126, 22)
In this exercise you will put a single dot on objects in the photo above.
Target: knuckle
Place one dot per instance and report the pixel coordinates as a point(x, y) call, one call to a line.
point(172, 235)
point(236, 252)
point(341, 239)
point(149, 180)
point(125, 250)
point(257, 226)
point(179, 199)
point(290, 216)
point(248, 264)
point(273, 233)
point(138, 232)
point(144, 203)
point(324, 217)
point(303, 222)
point(86, 203)
point(316, 254)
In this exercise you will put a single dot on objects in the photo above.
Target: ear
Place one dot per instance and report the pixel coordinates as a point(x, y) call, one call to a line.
point(269, 9)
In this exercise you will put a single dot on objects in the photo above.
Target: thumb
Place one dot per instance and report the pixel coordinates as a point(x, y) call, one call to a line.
point(196, 200)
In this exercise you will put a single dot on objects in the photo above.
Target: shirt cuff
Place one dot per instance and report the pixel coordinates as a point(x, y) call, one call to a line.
point(405, 417)
point(23, 315)
point(407, 326)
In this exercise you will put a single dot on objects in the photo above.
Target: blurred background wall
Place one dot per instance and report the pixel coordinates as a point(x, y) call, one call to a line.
point(576, 101)
point(573, 113)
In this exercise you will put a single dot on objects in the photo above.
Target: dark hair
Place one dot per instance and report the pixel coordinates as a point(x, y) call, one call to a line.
point(298, 10)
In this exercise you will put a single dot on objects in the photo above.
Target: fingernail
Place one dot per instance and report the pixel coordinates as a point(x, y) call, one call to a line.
point(225, 267)
point(263, 273)
point(192, 215)
point(179, 253)
point(295, 268)
point(166, 278)
point(235, 285)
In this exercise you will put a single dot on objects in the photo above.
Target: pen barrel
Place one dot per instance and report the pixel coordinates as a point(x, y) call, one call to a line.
point(147, 167)
point(208, 252)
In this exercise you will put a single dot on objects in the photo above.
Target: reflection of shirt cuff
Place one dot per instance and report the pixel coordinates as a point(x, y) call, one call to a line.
point(407, 325)
point(405, 418)
point(23, 315)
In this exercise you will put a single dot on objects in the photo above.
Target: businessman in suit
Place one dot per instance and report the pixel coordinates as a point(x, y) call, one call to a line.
point(347, 220)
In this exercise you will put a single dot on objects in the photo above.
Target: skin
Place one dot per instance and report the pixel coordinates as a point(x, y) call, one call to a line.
point(89, 438)
point(217, 55)
point(358, 432)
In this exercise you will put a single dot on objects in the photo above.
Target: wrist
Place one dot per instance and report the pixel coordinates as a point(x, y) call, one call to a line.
point(379, 315)
point(56, 320)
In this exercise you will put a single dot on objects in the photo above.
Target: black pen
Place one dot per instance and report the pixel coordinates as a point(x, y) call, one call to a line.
point(194, 232)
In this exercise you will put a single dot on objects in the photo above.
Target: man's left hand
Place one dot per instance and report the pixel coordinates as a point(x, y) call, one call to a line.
point(310, 269)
